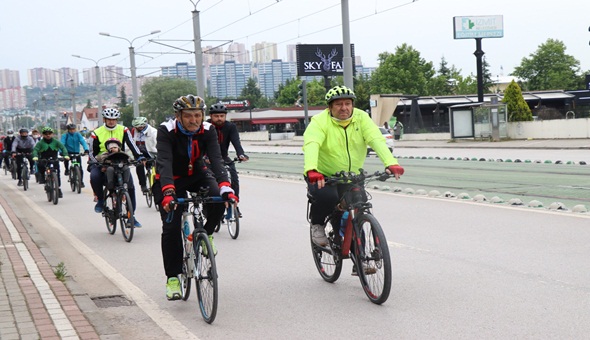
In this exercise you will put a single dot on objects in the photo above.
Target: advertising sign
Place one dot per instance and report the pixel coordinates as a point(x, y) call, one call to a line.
point(478, 27)
point(235, 104)
point(321, 60)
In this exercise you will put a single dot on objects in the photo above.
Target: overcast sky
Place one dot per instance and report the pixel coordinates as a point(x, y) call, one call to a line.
point(35, 33)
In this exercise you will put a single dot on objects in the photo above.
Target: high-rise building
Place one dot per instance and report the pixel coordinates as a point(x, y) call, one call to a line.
point(180, 70)
point(12, 98)
point(264, 52)
point(228, 79)
point(237, 52)
point(46, 78)
point(9, 79)
point(273, 74)
point(291, 53)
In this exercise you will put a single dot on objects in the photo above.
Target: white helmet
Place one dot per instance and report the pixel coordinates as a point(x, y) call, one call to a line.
point(139, 121)
point(111, 113)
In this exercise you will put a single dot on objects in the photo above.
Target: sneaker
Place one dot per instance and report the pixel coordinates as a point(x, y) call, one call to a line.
point(67, 173)
point(82, 185)
point(239, 212)
point(136, 224)
point(144, 188)
point(318, 235)
point(60, 195)
point(20, 183)
point(98, 208)
point(368, 269)
point(95, 199)
point(212, 246)
point(173, 289)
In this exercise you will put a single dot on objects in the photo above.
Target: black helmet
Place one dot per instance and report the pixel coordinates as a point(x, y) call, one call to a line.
point(23, 130)
point(217, 108)
point(70, 126)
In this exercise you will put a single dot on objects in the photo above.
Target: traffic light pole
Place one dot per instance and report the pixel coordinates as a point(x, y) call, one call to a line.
point(303, 94)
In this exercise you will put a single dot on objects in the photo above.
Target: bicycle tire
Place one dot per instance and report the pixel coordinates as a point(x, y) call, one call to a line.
point(13, 169)
point(126, 217)
point(218, 226)
point(109, 213)
point(48, 186)
point(54, 188)
point(72, 179)
point(327, 263)
point(25, 176)
point(5, 168)
point(186, 276)
point(206, 277)
point(373, 263)
point(78, 178)
point(233, 223)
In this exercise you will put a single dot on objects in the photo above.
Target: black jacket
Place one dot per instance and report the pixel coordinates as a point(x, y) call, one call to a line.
point(173, 154)
point(226, 133)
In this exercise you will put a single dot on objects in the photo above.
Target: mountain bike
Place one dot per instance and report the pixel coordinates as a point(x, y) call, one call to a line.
point(357, 235)
point(25, 172)
point(198, 258)
point(51, 180)
point(117, 201)
point(231, 217)
point(75, 177)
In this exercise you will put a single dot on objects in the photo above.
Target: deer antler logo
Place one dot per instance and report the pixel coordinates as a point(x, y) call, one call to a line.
point(326, 61)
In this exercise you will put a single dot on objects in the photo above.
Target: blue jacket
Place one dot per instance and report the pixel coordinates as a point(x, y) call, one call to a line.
point(72, 142)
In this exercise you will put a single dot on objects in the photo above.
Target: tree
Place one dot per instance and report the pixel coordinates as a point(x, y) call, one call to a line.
point(287, 93)
point(549, 68)
point(405, 72)
point(252, 93)
point(518, 109)
point(158, 94)
point(122, 97)
point(88, 104)
point(126, 115)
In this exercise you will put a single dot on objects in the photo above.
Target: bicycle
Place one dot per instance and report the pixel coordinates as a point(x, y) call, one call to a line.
point(231, 217)
point(117, 201)
point(198, 258)
point(5, 166)
point(51, 180)
point(12, 168)
point(25, 172)
point(150, 176)
point(357, 235)
point(75, 177)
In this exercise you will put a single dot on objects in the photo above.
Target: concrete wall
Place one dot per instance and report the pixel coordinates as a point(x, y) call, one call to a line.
point(550, 129)
point(254, 136)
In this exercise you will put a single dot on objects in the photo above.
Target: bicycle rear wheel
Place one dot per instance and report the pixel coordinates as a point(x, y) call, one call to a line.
point(109, 213)
point(54, 188)
point(372, 259)
point(232, 219)
point(328, 263)
point(126, 218)
point(25, 176)
point(206, 277)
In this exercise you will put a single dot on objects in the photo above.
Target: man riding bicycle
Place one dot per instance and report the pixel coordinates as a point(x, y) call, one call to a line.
point(228, 132)
point(144, 137)
point(7, 144)
point(23, 144)
point(48, 147)
point(336, 140)
point(110, 129)
point(72, 140)
point(182, 143)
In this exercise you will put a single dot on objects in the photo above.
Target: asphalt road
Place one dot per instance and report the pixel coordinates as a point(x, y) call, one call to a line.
point(461, 270)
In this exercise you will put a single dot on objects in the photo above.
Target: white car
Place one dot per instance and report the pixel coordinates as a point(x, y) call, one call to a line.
point(388, 140)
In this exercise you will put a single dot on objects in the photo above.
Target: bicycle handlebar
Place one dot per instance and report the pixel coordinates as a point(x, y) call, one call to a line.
point(353, 178)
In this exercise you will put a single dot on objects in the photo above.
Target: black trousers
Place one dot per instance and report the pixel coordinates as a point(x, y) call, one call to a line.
point(171, 235)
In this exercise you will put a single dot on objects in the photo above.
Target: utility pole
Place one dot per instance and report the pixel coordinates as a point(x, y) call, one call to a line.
point(97, 76)
point(198, 52)
point(347, 57)
point(73, 92)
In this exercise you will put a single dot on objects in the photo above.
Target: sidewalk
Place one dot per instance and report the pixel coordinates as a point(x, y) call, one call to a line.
point(34, 303)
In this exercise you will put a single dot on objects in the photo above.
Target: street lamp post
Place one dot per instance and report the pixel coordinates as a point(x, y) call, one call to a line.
point(97, 76)
point(132, 60)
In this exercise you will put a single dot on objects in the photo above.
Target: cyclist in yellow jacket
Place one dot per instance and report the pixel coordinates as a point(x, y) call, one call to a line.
point(336, 140)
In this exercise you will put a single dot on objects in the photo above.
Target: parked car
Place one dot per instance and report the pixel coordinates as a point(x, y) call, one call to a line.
point(388, 140)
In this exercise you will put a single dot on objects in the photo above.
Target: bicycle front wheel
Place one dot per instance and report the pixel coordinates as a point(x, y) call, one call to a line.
point(328, 263)
point(72, 179)
point(206, 277)
point(127, 220)
point(78, 173)
point(25, 176)
point(187, 268)
point(109, 211)
point(54, 188)
point(48, 188)
point(372, 259)
point(232, 219)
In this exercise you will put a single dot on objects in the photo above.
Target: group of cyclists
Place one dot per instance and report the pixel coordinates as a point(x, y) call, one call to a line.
point(192, 153)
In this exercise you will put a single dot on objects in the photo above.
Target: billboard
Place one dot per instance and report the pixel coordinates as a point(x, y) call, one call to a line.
point(478, 27)
point(235, 104)
point(321, 60)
